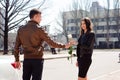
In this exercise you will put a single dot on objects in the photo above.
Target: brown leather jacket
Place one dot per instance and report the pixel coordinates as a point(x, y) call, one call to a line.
point(30, 37)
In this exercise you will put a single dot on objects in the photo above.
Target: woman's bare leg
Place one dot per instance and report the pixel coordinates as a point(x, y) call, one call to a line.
point(79, 78)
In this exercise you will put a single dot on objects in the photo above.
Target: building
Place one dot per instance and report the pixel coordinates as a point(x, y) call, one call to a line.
point(106, 25)
point(72, 22)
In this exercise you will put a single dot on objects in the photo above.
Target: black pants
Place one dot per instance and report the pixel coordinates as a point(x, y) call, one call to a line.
point(32, 68)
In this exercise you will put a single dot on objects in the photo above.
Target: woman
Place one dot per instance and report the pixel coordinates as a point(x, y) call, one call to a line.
point(85, 48)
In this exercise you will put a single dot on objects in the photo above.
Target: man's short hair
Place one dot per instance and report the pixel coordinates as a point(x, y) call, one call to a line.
point(34, 12)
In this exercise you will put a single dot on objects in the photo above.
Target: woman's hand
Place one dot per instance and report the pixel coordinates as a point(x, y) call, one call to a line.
point(77, 64)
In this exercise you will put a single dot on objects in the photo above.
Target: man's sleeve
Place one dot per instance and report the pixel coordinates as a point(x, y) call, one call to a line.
point(16, 48)
point(47, 39)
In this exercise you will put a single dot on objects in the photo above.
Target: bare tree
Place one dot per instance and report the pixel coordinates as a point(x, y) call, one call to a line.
point(107, 23)
point(94, 11)
point(106, 15)
point(77, 13)
point(61, 23)
point(12, 9)
point(116, 6)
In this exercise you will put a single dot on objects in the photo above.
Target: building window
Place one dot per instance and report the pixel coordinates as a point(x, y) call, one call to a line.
point(71, 21)
point(100, 27)
point(111, 19)
point(72, 28)
point(100, 35)
point(68, 29)
point(74, 35)
point(113, 35)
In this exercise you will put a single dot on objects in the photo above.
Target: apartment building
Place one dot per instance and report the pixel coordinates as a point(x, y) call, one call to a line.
point(106, 25)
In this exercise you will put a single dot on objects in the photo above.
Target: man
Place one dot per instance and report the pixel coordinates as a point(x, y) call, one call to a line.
point(53, 50)
point(30, 37)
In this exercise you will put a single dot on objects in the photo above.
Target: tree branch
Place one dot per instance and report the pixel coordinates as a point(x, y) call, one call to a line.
point(12, 5)
point(1, 29)
point(18, 9)
point(3, 5)
point(15, 23)
point(1, 35)
point(41, 3)
point(2, 15)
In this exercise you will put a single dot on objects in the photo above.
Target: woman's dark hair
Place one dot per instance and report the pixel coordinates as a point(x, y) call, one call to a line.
point(88, 25)
point(34, 12)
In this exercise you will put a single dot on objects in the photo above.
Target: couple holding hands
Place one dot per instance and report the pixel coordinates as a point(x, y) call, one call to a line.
point(31, 38)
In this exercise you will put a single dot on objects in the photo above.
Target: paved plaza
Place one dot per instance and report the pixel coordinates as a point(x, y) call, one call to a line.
point(105, 66)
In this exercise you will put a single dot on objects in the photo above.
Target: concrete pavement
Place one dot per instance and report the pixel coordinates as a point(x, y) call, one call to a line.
point(115, 75)
point(110, 76)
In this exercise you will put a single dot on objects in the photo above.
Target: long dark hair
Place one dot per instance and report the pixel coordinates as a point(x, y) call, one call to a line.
point(88, 25)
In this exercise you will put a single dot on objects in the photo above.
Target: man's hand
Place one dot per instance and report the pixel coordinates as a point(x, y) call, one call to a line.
point(67, 45)
point(17, 65)
point(77, 64)
point(73, 42)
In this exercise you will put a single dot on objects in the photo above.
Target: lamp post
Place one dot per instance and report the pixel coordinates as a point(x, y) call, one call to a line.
point(119, 58)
